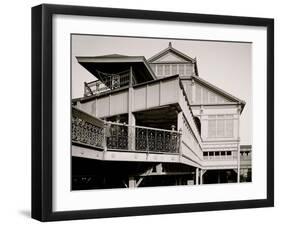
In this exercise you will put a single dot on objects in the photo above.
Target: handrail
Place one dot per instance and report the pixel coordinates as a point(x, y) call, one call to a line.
point(143, 127)
point(110, 81)
point(190, 110)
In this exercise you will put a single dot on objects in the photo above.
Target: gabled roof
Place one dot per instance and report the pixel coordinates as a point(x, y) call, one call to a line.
point(219, 91)
point(172, 50)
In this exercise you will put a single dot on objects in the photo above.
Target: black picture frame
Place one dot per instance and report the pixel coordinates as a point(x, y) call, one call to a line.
point(42, 111)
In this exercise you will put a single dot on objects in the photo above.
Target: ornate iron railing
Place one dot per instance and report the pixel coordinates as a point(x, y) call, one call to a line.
point(86, 129)
point(90, 131)
point(117, 136)
point(153, 140)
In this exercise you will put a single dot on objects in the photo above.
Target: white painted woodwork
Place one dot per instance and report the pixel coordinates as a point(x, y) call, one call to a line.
point(170, 57)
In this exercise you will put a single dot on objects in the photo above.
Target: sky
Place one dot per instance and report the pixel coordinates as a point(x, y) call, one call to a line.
point(227, 65)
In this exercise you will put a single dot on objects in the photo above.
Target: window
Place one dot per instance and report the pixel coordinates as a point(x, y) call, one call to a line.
point(181, 69)
point(160, 69)
point(212, 126)
point(229, 127)
point(174, 69)
point(220, 126)
point(188, 69)
point(167, 69)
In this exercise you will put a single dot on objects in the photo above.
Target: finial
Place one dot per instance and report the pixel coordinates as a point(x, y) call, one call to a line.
point(170, 44)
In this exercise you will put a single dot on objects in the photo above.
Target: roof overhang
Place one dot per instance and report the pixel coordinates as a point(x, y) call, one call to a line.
point(114, 64)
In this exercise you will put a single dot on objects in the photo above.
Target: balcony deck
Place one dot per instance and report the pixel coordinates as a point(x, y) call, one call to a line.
point(95, 139)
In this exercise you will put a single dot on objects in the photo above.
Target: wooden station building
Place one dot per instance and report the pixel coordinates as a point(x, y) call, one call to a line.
point(154, 122)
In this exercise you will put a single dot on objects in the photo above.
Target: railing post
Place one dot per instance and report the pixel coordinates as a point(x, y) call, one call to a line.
point(179, 142)
point(132, 137)
point(104, 137)
point(147, 145)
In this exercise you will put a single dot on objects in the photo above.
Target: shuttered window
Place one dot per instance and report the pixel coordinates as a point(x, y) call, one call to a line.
point(212, 126)
point(229, 127)
point(181, 69)
point(220, 126)
point(167, 69)
point(160, 69)
point(174, 69)
point(188, 69)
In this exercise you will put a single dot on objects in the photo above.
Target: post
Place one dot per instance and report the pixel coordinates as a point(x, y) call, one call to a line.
point(132, 182)
point(180, 121)
point(238, 163)
point(131, 117)
point(196, 176)
point(201, 176)
point(131, 77)
point(105, 136)
point(238, 146)
point(180, 125)
point(159, 168)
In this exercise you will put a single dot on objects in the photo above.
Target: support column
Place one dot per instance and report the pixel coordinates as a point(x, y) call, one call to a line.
point(219, 177)
point(238, 146)
point(180, 121)
point(132, 182)
point(201, 176)
point(180, 128)
point(131, 117)
point(197, 176)
point(159, 168)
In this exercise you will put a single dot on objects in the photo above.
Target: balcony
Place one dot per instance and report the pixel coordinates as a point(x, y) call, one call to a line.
point(110, 81)
point(108, 136)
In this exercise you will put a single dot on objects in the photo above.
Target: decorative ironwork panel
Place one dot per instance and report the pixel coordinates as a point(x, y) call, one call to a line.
point(151, 140)
point(141, 139)
point(117, 137)
point(87, 133)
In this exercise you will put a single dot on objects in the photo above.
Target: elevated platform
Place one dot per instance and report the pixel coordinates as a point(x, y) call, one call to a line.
point(93, 138)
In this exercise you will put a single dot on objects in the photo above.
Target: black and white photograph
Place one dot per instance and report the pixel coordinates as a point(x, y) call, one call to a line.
point(146, 112)
point(150, 112)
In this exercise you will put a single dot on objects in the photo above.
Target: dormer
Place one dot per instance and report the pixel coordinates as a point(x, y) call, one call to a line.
point(170, 62)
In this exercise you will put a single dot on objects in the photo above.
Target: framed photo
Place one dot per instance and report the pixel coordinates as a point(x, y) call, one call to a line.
point(146, 112)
